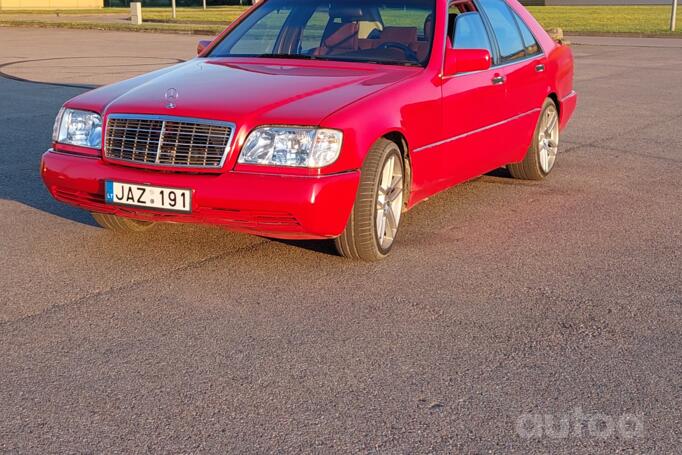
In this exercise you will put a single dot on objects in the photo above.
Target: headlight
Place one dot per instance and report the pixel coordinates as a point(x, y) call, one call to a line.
point(80, 128)
point(297, 147)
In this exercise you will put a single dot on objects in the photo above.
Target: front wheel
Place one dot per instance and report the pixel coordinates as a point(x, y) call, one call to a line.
point(375, 218)
point(119, 224)
point(541, 155)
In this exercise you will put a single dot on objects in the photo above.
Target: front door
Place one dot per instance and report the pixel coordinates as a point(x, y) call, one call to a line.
point(473, 107)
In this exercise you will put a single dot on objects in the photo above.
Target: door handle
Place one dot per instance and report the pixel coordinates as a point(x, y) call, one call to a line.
point(498, 80)
point(540, 68)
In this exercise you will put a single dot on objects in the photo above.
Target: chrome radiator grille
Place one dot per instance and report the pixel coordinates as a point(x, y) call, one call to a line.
point(167, 141)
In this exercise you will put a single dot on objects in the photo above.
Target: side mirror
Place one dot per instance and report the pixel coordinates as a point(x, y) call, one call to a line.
point(465, 60)
point(203, 44)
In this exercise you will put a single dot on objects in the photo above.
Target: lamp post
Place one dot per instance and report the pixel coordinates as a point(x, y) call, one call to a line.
point(173, 6)
point(673, 16)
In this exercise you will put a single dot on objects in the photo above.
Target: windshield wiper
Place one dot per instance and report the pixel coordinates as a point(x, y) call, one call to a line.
point(373, 61)
point(295, 56)
point(334, 59)
point(390, 63)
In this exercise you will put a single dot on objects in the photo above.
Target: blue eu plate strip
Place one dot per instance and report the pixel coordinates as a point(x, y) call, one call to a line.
point(109, 191)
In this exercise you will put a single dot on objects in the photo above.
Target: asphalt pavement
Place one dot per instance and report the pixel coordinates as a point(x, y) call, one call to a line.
point(511, 317)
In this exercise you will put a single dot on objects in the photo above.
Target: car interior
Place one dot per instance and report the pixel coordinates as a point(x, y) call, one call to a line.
point(360, 31)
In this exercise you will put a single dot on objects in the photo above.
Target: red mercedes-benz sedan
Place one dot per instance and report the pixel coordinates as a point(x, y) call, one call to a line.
point(319, 119)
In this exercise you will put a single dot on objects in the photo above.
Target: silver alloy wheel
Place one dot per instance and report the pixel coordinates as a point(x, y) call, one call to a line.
point(548, 139)
point(389, 201)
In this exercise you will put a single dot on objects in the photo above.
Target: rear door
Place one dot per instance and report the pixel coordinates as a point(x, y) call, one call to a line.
point(520, 62)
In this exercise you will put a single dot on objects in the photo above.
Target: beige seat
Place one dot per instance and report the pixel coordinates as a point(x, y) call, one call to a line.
point(344, 39)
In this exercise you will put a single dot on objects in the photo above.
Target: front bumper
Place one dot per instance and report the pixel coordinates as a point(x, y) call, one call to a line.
point(281, 206)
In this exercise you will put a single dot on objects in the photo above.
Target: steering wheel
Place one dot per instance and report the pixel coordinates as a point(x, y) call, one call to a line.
point(409, 53)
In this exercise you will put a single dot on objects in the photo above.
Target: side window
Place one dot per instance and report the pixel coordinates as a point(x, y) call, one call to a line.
point(262, 36)
point(470, 32)
point(311, 35)
point(405, 16)
point(529, 41)
point(506, 31)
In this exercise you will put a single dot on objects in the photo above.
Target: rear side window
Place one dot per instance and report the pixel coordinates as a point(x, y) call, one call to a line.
point(506, 31)
point(529, 41)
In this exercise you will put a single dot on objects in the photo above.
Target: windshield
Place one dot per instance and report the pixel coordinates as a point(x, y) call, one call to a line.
point(396, 32)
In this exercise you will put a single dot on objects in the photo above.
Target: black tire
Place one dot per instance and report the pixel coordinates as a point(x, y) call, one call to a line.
point(119, 224)
point(530, 168)
point(359, 239)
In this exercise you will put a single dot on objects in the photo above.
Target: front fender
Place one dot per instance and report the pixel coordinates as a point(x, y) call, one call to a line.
point(411, 108)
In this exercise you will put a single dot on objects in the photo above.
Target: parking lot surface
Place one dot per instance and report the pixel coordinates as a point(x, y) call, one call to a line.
point(506, 306)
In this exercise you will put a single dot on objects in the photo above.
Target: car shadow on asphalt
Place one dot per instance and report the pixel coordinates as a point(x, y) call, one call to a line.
point(325, 247)
point(27, 112)
point(500, 172)
point(27, 188)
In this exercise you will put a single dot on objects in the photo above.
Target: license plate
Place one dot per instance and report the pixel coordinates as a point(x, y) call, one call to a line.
point(151, 197)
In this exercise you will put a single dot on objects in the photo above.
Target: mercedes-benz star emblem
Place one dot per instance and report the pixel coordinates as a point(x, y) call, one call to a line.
point(171, 97)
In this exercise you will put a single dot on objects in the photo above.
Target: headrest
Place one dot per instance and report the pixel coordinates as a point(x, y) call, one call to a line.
point(399, 34)
point(348, 13)
point(347, 32)
point(428, 27)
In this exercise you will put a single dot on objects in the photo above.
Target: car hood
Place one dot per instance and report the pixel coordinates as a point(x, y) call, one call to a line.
point(247, 90)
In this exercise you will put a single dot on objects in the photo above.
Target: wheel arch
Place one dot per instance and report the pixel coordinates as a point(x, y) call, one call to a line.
point(400, 140)
point(563, 110)
point(553, 96)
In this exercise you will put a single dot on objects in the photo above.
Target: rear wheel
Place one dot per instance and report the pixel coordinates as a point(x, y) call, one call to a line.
point(119, 224)
point(375, 218)
point(541, 155)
